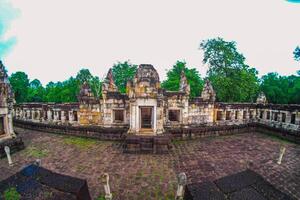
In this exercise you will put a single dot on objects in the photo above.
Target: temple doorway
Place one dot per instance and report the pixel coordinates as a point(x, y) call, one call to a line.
point(2, 132)
point(146, 117)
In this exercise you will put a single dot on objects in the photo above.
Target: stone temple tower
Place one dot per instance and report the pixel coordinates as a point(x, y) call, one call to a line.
point(7, 134)
point(6, 106)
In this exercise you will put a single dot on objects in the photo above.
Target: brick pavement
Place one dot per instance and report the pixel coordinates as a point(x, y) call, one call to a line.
point(154, 176)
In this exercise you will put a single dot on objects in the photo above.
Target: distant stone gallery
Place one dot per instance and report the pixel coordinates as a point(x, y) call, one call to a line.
point(147, 109)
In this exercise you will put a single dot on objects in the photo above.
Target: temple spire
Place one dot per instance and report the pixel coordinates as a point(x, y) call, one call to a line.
point(109, 83)
point(184, 85)
point(208, 93)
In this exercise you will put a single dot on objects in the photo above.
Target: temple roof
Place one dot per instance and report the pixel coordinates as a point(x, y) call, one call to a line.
point(147, 73)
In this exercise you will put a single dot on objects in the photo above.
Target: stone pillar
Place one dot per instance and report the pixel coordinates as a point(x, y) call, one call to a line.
point(10, 125)
point(288, 117)
point(70, 113)
point(223, 118)
point(55, 115)
point(48, 115)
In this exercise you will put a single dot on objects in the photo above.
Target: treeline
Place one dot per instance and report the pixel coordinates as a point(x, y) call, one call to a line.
point(232, 79)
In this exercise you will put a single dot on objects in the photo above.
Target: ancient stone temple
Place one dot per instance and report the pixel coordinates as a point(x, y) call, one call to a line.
point(147, 110)
point(6, 106)
point(7, 134)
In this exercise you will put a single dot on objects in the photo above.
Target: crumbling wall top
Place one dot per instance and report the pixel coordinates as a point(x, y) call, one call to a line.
point(208, 92)
point(261, 99)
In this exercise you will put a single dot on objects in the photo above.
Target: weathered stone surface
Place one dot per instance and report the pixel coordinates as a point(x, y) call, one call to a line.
point(143, 176)
point(247, 194)
point(34, 183)
point(246, 185)
point(236, 182)
point(204, 191)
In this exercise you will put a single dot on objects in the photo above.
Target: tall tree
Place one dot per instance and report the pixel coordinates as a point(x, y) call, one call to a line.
point(36, 91)
point(281, 89)
point(192, 75)
point(122, 72)
point(20, 84)
point(232, 79)
point(84, 75)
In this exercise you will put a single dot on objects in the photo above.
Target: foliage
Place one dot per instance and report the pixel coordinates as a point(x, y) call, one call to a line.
point(35, 91)
point(66, 91)
point(79, 142)
point(11, 194)
point(193, 77)
point(84, 75)
point(231, 78)
point(96, 86)
point(122, 72)
point(297, 54)
point(20, 84)
point(281, 89)
point(35, 152)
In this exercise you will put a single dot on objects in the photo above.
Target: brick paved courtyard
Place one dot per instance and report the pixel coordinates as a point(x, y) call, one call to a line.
point(154, 176)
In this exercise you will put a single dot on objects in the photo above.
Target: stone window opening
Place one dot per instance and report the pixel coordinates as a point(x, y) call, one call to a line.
point(118, 116)
point(268, 114)
point(66, 115)
point(251, 115)
point(59, 115)
point(35, 114)
point(52, 114)
point(219, 115)
point(275, 116)
point(228, 115)
point(244, 114)
point(261, 114)
point(174, 115)
point(293, 119)
point(45, 115)
point(283, 117)
point(236, 114)
point(75, 115)
point(2, 132)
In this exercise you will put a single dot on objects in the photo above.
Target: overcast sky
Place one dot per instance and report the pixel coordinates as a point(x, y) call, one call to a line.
point(55, 38)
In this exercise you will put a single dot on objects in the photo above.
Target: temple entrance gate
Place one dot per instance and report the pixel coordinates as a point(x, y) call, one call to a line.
point(2, 131)
point(146, 114)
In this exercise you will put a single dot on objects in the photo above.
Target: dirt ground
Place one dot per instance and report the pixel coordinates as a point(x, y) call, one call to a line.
point(154, 176)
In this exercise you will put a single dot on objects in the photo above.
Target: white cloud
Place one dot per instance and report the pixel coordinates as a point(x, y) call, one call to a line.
point(56, 38)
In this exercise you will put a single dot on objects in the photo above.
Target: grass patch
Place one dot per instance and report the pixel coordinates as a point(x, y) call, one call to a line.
point(11, 194)
point(80, 142)
point(35, 152)
point(278, 139)
point(177, 141)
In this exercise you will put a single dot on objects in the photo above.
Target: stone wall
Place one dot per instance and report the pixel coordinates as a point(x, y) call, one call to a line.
point(96, 132)
point(50, 113)
point(163, 110)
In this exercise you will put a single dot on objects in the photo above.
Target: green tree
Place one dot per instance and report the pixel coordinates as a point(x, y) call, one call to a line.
point(297, 54)
point(232, 79)
point(96, 86)
point(84, 75)
point(20, 84)
point(193, 77)
point(281, 89)
point(122, 72)
point(65, 91)
point(35, 91)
